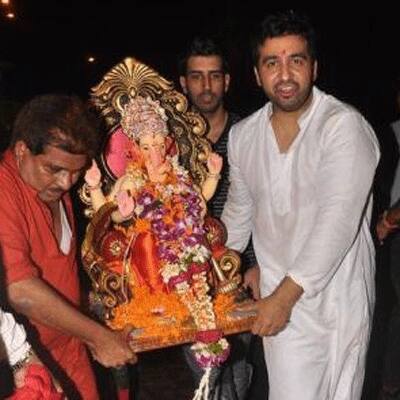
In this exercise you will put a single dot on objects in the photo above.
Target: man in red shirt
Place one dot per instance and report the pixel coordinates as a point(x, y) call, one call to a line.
point(53, 140)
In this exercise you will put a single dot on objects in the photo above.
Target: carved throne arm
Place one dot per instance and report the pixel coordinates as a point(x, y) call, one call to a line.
point(100, 250)
point(226, 262)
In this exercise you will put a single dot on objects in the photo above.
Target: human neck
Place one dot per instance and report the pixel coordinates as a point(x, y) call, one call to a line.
point(291, 116)
point(217, 122)
point(285, 118)
point(286, 128)
point(285, 125)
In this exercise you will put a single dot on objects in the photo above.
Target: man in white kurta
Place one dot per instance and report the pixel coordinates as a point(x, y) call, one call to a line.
point(308, 210)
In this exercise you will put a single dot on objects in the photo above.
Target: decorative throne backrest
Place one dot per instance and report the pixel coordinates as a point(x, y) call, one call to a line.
point(131, 78)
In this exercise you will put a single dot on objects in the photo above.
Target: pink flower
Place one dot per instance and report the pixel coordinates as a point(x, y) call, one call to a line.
point(212, 360)
point(182, 277)
point(196, 268)
point(209, 336)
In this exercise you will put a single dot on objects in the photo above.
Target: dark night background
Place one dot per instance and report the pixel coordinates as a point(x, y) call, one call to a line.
point(46, 47)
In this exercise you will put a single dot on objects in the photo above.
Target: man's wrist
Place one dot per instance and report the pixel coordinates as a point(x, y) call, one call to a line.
point(93, 334)
point(288, 292)
point(23, 361)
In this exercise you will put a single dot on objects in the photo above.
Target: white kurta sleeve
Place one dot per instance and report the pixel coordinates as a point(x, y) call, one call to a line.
point(349, 158)
point(13, 336)
point(238, 209)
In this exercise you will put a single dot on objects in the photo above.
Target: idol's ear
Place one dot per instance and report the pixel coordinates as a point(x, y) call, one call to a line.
point(116, 153)
point(171, 147)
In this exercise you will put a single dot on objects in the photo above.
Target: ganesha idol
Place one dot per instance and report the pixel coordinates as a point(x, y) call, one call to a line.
point(158, 234)
point(153, 254)
point(159, 199)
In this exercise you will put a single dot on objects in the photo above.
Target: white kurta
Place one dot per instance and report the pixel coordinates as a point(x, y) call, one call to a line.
point(309, 213)
point(13, 338)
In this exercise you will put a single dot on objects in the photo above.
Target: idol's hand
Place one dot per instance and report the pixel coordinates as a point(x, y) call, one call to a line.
point(214, 163)
point(126, 204)
point(93, 175)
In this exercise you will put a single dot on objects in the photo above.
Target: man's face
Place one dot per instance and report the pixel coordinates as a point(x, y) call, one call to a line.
point(51, 173)
point(205, 83)
point(286, 71)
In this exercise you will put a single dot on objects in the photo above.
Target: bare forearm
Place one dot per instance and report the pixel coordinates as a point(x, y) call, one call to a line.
point(35, 299)
point(38, 301)
point(209, 187)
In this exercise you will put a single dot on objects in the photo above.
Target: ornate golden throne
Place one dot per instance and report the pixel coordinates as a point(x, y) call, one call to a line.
point(128, 79)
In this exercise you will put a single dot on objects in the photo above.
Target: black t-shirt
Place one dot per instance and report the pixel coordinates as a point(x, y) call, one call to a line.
point(216, 204)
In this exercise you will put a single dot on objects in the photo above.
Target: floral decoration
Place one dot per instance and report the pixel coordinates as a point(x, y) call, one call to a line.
point(173, 212)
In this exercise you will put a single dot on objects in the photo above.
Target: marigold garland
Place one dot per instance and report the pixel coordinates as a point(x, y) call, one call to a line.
point(143, 312)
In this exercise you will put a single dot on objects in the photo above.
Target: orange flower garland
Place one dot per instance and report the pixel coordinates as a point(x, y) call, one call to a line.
point(152, 312)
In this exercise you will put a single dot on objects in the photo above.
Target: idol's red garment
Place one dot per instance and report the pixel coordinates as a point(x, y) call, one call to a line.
point(30, 249)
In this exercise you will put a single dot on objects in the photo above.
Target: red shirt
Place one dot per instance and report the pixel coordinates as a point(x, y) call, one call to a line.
point(29, 248)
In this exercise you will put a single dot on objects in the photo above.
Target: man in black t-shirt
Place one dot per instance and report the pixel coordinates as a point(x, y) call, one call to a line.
point(205, 79)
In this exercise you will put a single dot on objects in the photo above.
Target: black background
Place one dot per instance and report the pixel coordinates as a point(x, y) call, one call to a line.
point(45, 48)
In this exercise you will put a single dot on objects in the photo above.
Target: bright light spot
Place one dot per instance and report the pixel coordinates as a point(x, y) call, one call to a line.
point(91, 59)
point(10, 15)
point(5, 2)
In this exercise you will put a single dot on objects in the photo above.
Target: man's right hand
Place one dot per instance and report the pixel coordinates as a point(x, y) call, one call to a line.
point(251, 279)
point(111, 348)
point(35, 299)
point(384, 227)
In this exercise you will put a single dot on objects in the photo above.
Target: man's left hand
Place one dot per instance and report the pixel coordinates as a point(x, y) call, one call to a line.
point(273, 311)
point(272, 315)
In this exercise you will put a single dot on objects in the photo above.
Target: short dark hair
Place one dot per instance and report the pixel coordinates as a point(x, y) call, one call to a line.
point(202, 46)
point(284, 23)
point(59, 120)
